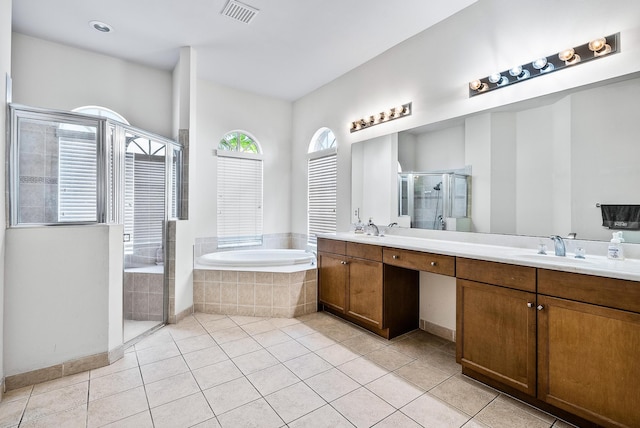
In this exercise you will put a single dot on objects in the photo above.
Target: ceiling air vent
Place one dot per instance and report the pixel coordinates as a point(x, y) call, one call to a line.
point(240, 11)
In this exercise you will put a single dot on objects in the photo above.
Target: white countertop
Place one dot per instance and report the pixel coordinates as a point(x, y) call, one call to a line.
point(592, 265)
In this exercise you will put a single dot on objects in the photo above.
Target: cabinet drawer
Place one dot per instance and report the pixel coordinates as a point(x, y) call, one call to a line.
point(416, 260)
point(331, 246)
point(364, 251)
point(611, 292)
point(518, 277)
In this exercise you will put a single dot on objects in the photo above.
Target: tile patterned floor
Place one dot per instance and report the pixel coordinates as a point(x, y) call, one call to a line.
point(313, 371)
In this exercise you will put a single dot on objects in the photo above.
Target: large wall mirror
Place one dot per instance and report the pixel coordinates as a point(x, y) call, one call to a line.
point(536, 168)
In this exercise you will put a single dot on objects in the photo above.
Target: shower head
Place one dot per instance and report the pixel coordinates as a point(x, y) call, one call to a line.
point(437, 186)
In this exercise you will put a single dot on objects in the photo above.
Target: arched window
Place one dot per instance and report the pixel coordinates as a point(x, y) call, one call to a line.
point(322, 184)
point(239, 190)
point(102, 112)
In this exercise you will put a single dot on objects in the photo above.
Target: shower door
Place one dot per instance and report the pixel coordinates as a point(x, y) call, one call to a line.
point(148, 200)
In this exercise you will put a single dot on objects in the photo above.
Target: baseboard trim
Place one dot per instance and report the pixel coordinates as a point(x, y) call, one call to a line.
point(57, 371)
point(175, 319)
point(438, 330)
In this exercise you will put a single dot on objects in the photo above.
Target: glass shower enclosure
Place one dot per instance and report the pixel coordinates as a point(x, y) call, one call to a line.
point(76, 169)
point(431, 199)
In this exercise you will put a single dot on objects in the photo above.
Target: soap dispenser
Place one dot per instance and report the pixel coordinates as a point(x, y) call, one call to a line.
point(615, 251)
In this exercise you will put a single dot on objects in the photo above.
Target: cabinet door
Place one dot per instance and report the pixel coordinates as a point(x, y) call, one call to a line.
point(497, 333)
point(588, 361)
point(365, 291)
point(332, 280)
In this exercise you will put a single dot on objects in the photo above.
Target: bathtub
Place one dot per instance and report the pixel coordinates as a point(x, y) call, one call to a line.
point(265, 283)
point(249, 259)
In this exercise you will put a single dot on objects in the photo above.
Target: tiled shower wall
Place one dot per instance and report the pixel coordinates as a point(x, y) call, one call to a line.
point(143, 297)
point(38, 179)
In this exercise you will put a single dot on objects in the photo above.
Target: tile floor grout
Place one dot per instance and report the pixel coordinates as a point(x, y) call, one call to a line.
point(410, 381)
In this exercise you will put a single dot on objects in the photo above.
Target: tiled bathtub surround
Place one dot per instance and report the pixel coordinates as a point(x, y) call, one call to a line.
point(264, 294)
point(143, 296)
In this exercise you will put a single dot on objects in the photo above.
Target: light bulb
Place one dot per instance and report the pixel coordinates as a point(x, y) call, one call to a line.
point(478, 86)
point(597, 44)
point(516, 71)
point(399, 110)
point(495, 77)
point(569, 56)
point(539, 63)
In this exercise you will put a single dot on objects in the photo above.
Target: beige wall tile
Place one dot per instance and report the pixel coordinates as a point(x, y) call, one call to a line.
point(228, 294)
point(198, 292)
point(264, 294)
point(247, 277)
point(198, 275)
point(296, 294)
point(281, 278)
point(212, 275)
point(246, 294)
point(229, 309)
point(246, 310)
point(212, 308)
point(263, 311)
point(264, 278)
point(229, 276)
point(212, 292)
point(281, 296)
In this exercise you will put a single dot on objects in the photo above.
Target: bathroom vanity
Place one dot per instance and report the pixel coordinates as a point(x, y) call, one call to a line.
point(559, 333)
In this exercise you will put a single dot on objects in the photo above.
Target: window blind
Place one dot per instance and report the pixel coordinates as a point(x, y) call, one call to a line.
point(322, 196)
point(128, 202)
point(77, 180)
point(239, 201)
point(148, 200)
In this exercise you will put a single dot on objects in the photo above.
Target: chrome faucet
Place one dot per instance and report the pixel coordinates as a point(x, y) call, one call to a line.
point(558, 242)
point(371, 225)
point(392, 224)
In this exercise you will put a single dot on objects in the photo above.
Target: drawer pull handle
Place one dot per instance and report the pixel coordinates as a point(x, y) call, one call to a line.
point(529, 305)
point(434, 264)
point(344, 263)
point(395, 257)
point(540, 307)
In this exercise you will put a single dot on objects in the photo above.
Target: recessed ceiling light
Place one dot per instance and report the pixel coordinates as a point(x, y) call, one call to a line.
point(101, 26)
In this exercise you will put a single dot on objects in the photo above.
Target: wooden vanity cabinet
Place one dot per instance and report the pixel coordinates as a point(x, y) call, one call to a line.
point(496, 323)
point(354, 283)
point(364, 291)
point(350, 280)
point(588, 352)
point(332, 274)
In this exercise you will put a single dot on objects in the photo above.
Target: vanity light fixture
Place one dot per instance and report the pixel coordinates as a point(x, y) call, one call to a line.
point(595, 49)
point(382, 117)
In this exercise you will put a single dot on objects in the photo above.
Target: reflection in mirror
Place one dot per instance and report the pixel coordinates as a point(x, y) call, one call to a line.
point(539, 168)
point(438, 201)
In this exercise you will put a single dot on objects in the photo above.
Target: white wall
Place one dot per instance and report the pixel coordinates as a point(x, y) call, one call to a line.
point(184, 111)
point(51, 75)
point(5, 70)
point(440, 150)
point(58, 293)
point(220, 110)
